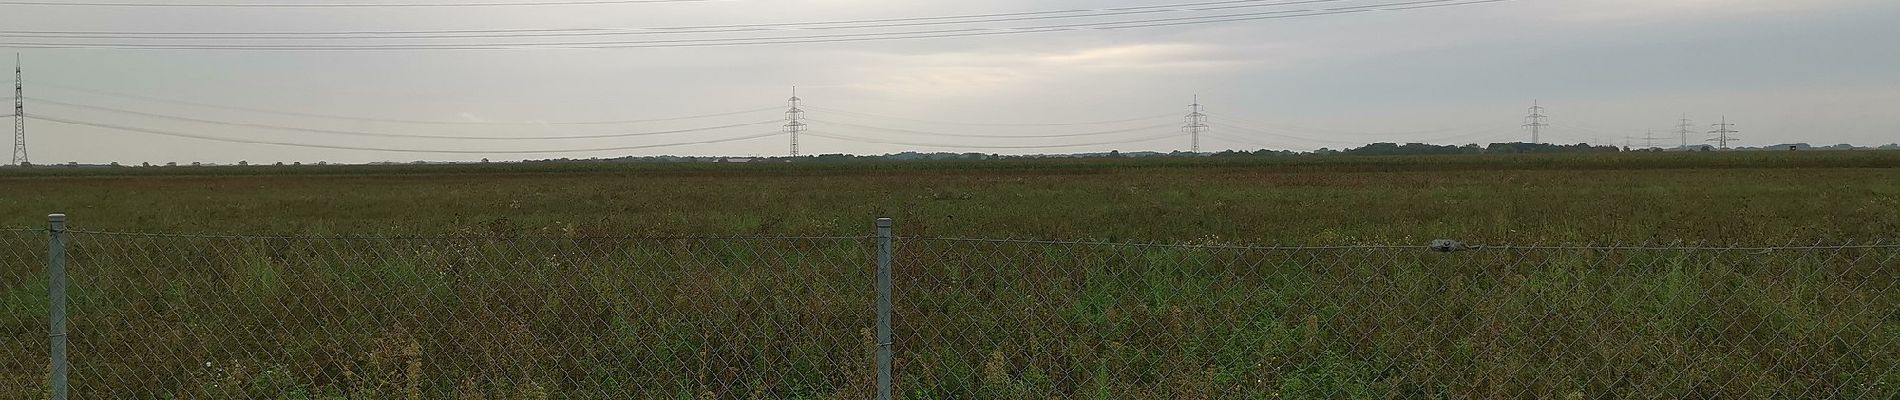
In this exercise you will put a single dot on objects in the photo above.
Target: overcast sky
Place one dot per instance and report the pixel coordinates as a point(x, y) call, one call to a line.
point(1815, 71)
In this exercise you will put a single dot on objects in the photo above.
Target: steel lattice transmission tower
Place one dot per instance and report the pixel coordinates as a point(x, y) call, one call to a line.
point(1684, 128)
point(794, 120)
point(19, 115)
point(1536, 121)
point(1195, 124)
point(1722, 133)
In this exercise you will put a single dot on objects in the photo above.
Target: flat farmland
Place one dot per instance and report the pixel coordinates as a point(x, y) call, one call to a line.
point(598, 280)
point(1629, 198)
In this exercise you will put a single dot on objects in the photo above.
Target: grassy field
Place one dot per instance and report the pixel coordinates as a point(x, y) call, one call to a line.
point(1756, 198)
point(535, 296)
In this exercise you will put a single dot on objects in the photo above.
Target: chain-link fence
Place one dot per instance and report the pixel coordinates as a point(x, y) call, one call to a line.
point(1029, 319)
point(501, 317)
point(24, 313)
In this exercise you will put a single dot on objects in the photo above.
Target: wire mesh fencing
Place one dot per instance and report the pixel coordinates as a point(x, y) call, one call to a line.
point(502, 317)
point(23, 313)
point(1028, 319)
point(159, 316)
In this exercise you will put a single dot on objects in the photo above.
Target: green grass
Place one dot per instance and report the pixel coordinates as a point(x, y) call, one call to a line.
point(1759, 198)
point(529, 303)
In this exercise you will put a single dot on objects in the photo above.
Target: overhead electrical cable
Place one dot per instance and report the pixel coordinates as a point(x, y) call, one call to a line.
point(869, 115)
point(1265, 132)
point(1472, 134)
point(972, 146)
point(402, 121)
point(1296, 128)
point(386, 149)
point(522, 33)
point(1239, 140)
point(393, 135)
point(342, 5)
point(746, 41)
point(970, 135)
point(677, 27)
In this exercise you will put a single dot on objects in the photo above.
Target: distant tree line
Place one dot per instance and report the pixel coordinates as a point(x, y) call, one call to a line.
point(1375, 149)
point(1394, 149)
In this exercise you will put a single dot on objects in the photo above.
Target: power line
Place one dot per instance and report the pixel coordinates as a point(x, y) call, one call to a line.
point(1536, 121)
point(1583, 137)
point(971, 146)
point(1297, 128)
point(342, 5)
point(390, 120)
point(392, 135)
point(1683, 128)
point(1240, 140)
point(1491, 131)
point(384, 149)
point(908, 119)
point(794, 121)
point(1722, 133)
point(19, 114)
point(1324, 131)
point(970, 135)
point(749, 41)
point(687, 29)
point(1195, 124)
point(1267, 132)
point(1592, 131)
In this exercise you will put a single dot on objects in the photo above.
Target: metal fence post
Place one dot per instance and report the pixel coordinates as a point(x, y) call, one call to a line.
point(883, 308)
point(56, 265)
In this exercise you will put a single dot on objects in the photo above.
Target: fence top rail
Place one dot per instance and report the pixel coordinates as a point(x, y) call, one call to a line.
point(462, 237)
point(1453, 246)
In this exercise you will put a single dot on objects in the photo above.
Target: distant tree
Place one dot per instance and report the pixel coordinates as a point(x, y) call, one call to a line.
point(243, 163)
point(280, 163)
point(323, 163)
point(115, 164)
point(484, 160)
point(195, 164)
point(1114, 154)
point(145, 164)
point(296, 163)
point(171, 164)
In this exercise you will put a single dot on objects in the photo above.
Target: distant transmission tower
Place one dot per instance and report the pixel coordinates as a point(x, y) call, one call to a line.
point(1195, 124)
point(1536, 121)
point(19, 115)
point(1684, 128)
point(1649, 140)
point(794, 121)
point(1722, 133)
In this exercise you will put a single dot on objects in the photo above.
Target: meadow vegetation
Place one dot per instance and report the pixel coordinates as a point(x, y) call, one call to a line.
point(1632, 197)
point(565, 280)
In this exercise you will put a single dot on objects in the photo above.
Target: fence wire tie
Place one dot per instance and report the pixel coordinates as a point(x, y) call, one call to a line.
point(885, 344)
